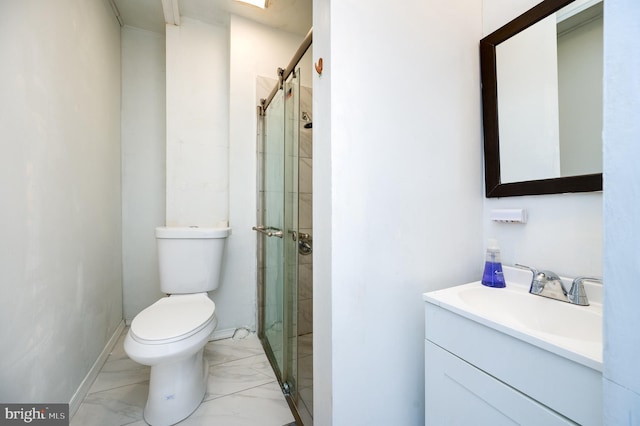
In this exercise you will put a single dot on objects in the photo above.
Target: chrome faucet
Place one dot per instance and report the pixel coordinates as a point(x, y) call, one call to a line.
point(549, 284)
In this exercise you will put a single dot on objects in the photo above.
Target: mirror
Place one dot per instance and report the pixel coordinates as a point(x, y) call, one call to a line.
point(542, 101)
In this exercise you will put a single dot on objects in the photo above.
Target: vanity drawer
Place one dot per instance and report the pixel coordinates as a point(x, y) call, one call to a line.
point(457, 393)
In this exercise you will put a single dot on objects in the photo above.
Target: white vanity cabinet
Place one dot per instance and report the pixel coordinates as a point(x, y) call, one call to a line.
point(479, 371)
point(457, 393)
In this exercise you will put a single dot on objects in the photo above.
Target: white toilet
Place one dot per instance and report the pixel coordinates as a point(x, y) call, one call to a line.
point(170, 335)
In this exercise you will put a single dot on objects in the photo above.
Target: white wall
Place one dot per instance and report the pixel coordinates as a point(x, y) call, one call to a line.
point(143, 164)
point(564, 232)
point(621, 203)
point(323, 375)
point(60, 251)
point(197, 60)
point(398, 195)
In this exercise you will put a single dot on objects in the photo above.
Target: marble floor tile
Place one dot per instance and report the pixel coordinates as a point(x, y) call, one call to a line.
point(262, 405)
point(119, 406)
point(120, 372)
point(239, 375)
point(242, 389)
point(226, 350)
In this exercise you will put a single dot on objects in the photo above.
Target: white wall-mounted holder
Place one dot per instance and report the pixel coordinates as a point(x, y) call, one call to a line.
point(509, 215)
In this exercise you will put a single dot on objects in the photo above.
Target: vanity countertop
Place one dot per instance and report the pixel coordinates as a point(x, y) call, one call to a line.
point(570, 331)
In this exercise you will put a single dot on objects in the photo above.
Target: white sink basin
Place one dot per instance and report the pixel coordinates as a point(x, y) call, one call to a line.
point(572, 331)
point(536, 313)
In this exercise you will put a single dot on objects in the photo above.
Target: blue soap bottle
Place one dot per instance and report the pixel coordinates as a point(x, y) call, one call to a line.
point(493, 276)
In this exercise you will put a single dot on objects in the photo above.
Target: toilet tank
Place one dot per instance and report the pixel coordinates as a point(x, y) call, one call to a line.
point(190, 259)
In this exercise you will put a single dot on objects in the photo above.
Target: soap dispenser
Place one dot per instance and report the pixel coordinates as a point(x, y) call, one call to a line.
point(493, 276)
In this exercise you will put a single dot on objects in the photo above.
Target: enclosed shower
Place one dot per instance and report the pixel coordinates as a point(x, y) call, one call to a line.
point(285, 230)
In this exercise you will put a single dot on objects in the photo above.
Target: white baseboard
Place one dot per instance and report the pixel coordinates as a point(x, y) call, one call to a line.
point(84, 387)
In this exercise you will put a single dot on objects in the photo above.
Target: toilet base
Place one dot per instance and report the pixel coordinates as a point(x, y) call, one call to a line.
point(176, 389)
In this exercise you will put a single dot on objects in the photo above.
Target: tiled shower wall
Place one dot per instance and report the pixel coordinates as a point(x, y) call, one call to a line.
point(305, 220)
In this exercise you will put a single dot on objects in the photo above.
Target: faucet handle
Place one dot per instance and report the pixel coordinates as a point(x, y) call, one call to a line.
point(577, 295)
point(534, 271)
point(535, 286)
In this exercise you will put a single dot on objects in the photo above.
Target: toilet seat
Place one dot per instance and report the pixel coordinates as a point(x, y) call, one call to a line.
point(173, 318)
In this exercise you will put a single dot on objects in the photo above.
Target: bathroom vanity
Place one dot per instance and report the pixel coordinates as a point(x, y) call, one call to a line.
point(502, 356)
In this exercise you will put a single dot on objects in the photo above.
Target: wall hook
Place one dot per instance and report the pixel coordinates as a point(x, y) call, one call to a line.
point(319, 66)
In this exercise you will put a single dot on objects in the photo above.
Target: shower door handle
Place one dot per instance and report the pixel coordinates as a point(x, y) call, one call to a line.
point(269, 231)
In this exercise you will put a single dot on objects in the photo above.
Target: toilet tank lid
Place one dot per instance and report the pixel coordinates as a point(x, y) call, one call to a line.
point(192, 232)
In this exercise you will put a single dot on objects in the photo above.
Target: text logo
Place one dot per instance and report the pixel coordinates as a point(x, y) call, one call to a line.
point(34, 414)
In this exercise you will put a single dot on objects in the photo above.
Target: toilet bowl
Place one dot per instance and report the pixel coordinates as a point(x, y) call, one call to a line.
point(170, 335)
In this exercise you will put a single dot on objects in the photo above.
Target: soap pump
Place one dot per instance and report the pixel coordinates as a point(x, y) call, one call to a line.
point(493, 276)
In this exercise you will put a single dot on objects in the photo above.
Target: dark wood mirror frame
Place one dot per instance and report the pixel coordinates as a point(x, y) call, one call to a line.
point(493, 185)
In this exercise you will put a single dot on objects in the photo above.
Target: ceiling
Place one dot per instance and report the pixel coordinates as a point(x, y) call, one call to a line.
point(287, 15)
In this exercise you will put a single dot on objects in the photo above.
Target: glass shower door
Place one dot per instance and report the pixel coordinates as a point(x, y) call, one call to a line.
point(279, 231)
point(273, 222)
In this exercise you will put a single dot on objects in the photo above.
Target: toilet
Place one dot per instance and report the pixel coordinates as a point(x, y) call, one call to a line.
point(170, 335)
